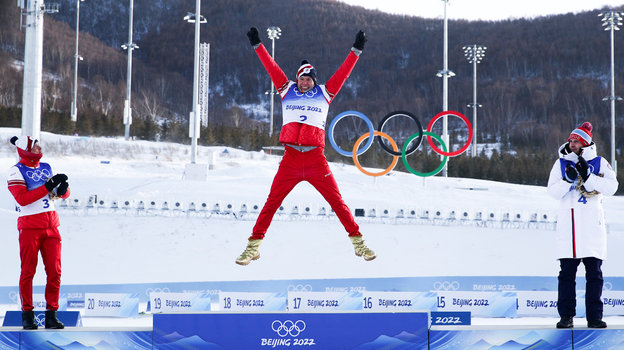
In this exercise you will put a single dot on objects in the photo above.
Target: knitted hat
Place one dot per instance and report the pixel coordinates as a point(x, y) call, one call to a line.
point(24, 145)
point(582, 134)
point(308, 70)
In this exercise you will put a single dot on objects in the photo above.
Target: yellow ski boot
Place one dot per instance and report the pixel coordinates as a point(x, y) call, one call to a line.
point(251, 252)
point(361, 249)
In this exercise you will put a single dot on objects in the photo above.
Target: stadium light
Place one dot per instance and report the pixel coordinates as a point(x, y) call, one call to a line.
point(474, 54)
point(274, 33)
point(612, 20)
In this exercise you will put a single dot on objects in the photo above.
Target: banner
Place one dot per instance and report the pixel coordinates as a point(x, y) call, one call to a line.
point(537, 303)
point(252, 302)
point(398, 301)
point(39, 302)
point(613, 303)
point(111, 305)
point(480, 304)
point(179, 302)
point(282, 330)
point(324, 301)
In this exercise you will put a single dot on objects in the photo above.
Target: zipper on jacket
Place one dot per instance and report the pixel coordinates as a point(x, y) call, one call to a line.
point(573, 234)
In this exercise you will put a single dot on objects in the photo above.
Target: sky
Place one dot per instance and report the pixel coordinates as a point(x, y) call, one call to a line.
point(484, 9)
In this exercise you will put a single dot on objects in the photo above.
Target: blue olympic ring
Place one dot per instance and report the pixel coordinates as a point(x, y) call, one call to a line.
point(332, 125)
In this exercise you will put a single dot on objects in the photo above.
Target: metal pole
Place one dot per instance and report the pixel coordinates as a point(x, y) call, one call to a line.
point(128, 103)
point(445, 89)
point(611, 21)
point(74, 107)
point(272, 90)
point(195, 119)
point(613, 161)
point(33, 66)
point(474, 104)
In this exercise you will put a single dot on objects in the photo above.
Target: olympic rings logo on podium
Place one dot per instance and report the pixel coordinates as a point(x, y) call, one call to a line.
point(288, 327)
point(415, 140)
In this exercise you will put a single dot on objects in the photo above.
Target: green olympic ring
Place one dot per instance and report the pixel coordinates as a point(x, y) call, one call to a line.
point(404, 154)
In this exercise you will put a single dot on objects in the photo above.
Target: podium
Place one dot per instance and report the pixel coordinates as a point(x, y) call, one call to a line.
point(69, 318)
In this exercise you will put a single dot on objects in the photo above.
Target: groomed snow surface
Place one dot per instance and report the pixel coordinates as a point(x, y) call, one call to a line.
point(126, 247)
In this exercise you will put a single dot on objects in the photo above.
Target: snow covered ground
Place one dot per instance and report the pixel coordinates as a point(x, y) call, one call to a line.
point(132, 247)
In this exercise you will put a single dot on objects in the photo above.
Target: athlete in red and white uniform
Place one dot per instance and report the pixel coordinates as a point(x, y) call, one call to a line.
point(305, 104)
point(34, 188)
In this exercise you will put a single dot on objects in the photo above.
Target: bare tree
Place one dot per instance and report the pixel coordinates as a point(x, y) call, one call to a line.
point(148, 104)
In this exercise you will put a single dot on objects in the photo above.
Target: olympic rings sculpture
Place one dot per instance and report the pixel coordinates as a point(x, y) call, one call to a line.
point(415, 140)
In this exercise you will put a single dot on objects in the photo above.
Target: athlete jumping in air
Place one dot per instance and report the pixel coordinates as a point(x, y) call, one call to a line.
point(304, 110)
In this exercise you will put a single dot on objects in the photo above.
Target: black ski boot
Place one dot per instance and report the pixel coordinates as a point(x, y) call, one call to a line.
point(28, 320)
point(51, 322)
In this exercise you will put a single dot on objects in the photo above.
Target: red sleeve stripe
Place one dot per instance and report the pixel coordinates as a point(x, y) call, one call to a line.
point(283, 87)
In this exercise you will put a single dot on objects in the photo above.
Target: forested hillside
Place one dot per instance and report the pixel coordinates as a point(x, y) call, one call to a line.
point(538, 80)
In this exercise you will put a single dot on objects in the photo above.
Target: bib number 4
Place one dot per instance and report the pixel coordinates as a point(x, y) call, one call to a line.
point(582, 199)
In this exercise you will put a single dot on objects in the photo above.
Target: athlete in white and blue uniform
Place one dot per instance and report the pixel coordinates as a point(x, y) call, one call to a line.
point(579, 179)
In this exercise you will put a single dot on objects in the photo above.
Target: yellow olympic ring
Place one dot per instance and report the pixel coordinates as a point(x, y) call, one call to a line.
point(395, 158)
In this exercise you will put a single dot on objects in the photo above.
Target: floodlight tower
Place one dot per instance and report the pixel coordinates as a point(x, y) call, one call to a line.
point(195, 117)
point(33, 10)
point(445, 73)
point(274, 33)
point(130, 46)
point(74, 112)
point(612, 20)
point(474, 54)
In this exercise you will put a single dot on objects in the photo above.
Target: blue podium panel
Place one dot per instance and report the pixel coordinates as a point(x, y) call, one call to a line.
point(86, 339)
point(69, 318)
point(499, 338)
point(9, 340)
point(598, 339)
point(354, 330)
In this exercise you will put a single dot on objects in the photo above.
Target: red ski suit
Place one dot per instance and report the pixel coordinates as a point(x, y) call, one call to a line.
point(38, 232)
point(303, 134)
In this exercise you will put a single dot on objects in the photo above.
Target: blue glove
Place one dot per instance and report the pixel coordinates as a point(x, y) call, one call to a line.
point(583, 168)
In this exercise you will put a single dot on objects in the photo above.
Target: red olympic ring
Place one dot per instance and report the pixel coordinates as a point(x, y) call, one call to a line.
point(459, 151)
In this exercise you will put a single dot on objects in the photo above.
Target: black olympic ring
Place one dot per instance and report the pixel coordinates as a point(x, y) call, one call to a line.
point(391, 115)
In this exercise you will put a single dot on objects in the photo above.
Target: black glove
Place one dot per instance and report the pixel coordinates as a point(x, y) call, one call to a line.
point(13, 140)
point(55, 181)
point(62, 188)
point(583, 168)
point(360, 40)
point(570, 174)
point(254, 37)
